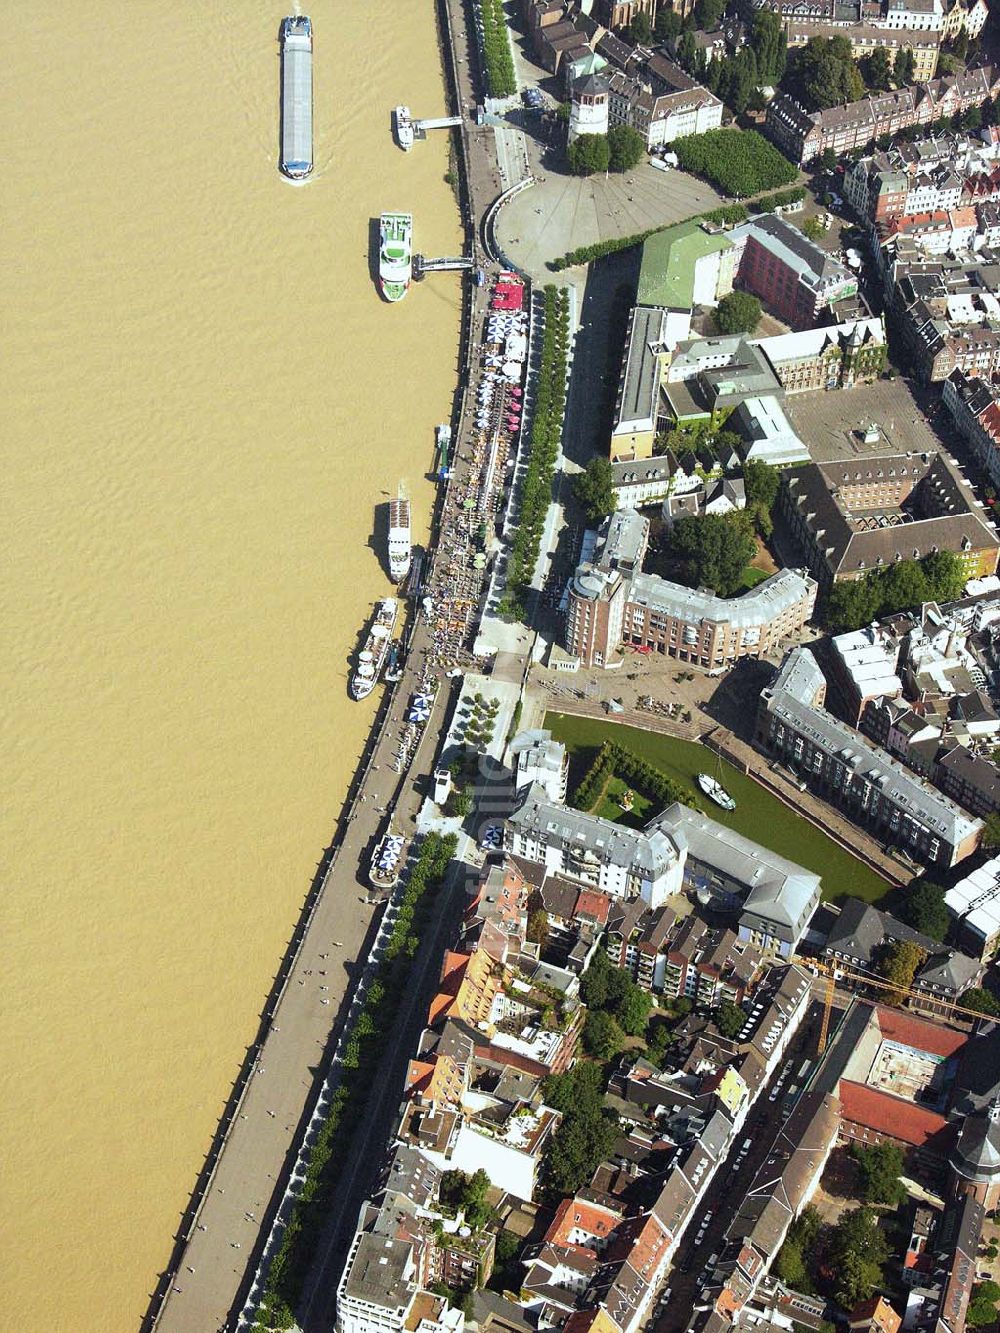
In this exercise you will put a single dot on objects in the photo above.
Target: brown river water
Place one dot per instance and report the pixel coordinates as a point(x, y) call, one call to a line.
point(204, 399)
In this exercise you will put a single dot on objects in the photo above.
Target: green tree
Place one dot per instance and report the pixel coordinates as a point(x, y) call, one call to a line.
point(923, 908)
point(960, 50)
point(825, 74)
point(983, 1001)
point(739, 312)
point(851, 604)
point(903, 67)
point(770, 45)
point(991, 831)
point(659, 1040)
point(715, 549)
point(904, 584)
point(879, 1168)
point(827, 160)
point(640, 30)
point(461, 803)
point(708, 13)
point(589, 154)
point(945, 575)
point(737, 162)
point(537, 931)
point(594, 489)
point(813, 229)
point(668, 25)
point(729, 1018)
point(876, 69)
point(857, 1251)
point(790, 1268)
point(633, 1010)
point(983, 1305)
point(687, 51)
point(898, 964)
point(626, 147)
point(587, 1132)
point(602, 1037)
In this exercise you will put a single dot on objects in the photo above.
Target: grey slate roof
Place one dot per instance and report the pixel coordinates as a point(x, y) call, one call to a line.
point(918, 800)
point(940, 512)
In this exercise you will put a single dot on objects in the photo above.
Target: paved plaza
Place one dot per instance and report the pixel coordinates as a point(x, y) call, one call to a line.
point(561, 212)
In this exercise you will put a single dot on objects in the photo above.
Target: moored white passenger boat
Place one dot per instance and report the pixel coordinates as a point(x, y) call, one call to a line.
point(399, 543)
point(395, 258)
point(372, 656)
point(404, 127)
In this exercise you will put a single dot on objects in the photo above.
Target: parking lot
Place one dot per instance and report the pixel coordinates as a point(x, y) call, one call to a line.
point(833, 424)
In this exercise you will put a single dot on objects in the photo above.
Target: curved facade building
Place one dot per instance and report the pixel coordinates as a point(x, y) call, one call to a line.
point(612, 605)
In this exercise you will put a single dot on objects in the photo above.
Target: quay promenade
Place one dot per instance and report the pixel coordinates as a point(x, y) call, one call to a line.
point(227, 1225)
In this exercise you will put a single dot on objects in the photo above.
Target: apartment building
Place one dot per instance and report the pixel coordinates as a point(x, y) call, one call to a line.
point(770, 897)
point(974, 404)
point(661, 102)
point(844, 769)
point(925, 46)
point(611, 604)
point(803, 135)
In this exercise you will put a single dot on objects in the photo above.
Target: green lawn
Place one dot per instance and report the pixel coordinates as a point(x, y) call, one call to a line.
point(758, 814)
point(609, 806)
point(751, 577)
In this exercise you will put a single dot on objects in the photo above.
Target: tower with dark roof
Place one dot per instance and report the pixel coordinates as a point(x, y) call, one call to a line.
point(588, 111)
point(976, 1159)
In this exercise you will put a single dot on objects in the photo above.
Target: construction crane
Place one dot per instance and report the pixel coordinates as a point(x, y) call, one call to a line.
point(834, 973)
point(824, 1027)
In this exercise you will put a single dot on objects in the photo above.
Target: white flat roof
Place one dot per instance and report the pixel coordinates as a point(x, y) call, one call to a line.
point(981, 887)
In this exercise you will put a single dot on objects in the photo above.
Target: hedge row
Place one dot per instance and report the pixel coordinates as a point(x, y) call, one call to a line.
point(543, 447)
point(730, 214)
point(359, 1065)
point(769, 202)
point(585, 254)
point(496, 49)
point(615, 760)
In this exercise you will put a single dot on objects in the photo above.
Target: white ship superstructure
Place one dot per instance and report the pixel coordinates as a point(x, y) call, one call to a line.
point(372, 657)
point(395, 259)
point(404, 128)
point(399, 538)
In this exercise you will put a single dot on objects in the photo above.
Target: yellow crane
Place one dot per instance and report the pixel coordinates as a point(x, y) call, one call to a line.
point(834, 971)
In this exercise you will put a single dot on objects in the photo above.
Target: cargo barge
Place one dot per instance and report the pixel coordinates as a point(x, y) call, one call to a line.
point(296, 97)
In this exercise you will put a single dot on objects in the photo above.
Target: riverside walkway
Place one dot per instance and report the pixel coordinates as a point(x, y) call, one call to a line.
point(228, 1223)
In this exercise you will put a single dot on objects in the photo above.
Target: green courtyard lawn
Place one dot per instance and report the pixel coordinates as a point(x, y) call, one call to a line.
point(758, 814)
point(752, 576)
point(610, 805)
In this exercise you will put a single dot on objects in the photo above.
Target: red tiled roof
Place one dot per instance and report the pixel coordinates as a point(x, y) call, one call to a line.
point(889, 1115)
point(590, 1217)
point(909, 1031)
point(990, 421)
point(593, 904)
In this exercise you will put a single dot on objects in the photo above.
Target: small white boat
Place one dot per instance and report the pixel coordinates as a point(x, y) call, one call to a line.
point(372, 657)
point(715, 791)
point(404, 127)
